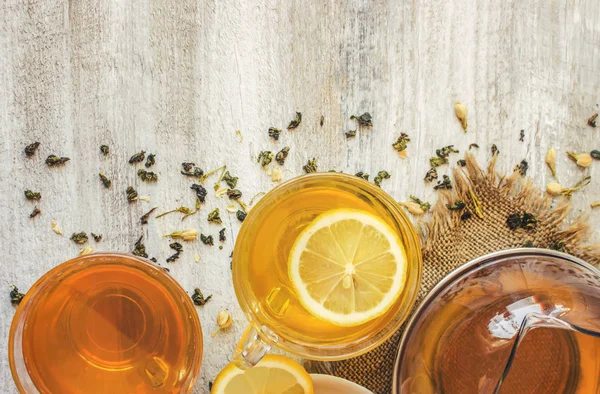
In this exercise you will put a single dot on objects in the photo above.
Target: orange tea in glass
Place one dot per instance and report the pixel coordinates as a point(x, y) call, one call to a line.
point(326, 266)
point(105, 323)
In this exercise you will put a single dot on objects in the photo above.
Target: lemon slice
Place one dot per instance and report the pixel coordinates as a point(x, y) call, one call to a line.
point(272, 375)
point(347, 267)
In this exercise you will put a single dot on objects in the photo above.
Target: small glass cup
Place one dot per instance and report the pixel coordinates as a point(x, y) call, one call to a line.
point(264, 290)
point(105, 322)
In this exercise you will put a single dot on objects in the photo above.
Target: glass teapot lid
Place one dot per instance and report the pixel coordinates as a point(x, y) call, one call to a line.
point(521, 320)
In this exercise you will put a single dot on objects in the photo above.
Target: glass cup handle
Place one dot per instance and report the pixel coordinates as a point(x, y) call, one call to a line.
point(253, 346)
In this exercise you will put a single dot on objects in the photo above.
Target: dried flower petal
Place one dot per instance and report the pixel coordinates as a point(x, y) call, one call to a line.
point(55, 228)
point(276, 175)
point(85, 251)
point(412, 207)
point(461, 113)
point(551, 160)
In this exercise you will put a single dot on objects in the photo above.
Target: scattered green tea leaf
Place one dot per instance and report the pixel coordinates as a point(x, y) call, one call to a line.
point(311, 166)
point(362, 175)
point(147, 176)
point(150, 161)
point(104, 149)
point(381, 175)
point(431, 175)
point(97, 237)
point(495, 150)
point(466, 215)
point(425, 206)
point(36, 211)
point(140, 248)
point(146, 216)
point(15, 296)
point(522, 135)
point(274, 133)
point(138, 157)
point(230, 180)
point(190, 169)
point(322, 120)
point(437, 161)
point(53, 160)
point(234, 194)
point(79, 238)
point(445, 183)
point(282, 155)
point(296, 121)
point(462, 162)
point(595, 154)
point(198, 297)
point(30, 195)
point(31, 148)
point(559, 246)
point(241, 215)
point(401, 143)
point(592, 120)
point(207, 239)
point(445, 151)
point(265, 157)
point(473, 146)
point(350, 134)
point(524, 220)
point(131, 194)
point(457, 206)
point(522, 167)
point(364, 119)
point(222, 236)
point(200, 191)
point(178, 248)
point(104, 179)
point(214, 216)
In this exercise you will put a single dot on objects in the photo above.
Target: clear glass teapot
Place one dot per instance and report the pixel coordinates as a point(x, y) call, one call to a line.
point(516, 321)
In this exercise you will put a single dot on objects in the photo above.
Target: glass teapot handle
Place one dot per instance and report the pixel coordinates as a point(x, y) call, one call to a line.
point(253, 346)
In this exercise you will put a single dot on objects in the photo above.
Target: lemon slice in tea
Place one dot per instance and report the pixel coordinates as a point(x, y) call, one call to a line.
point(272, 375)
point(347, 267)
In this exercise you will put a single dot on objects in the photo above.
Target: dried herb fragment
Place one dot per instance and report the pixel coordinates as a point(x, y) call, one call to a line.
point(528, 244)
point(457, 206)
point(364, 119)
point(381, 175)
point(473, 146)
point(282, 155)
point(36, 211)
point(592, 120)
point(147, 176)
point(462, 162)
point(296, 121)
point(146, 216)
point(190, 169)
point(322, 120)
point(445, 151)
point(362, 175)
point(97, 237)
point(431, 175)
point(178, 248)
point(514, 221)
point(86, 251)
point(104, 149)
point(461, 113)
point(350, 134)
point(495, 150)
point(198, 297)
point(150, 161)
point(466, 215)
point(131, 194)
point(241, 215)
point(207, 239)
point(595, 154)
point(445, 183)
point(200, 191)
point(55, 228)
point(222, 236)
point(15, 296)
point(187, 166)
point(437, 161)
point(401, 143)
point(31, 148)
point(30, 195)
point(311, 166)
point(79, 238)
point(522, 167)
point(416, 206)
point(214, 216)
point(138, 157)
point(522, 135)
point(274, 133)
point(53, 160)
point(525, 220)
point(104, 179)
point(234, 194)
point(230, 180)
point(476, 203)
point(559, 246)
point(265, 157)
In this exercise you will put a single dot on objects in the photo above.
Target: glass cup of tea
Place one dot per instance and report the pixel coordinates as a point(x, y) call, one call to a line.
point(262, 282)
point(105, 323)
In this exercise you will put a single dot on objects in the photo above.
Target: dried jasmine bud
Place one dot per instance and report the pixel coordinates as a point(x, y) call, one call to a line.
point(445, 151)
point(146, 216)
point(495, 150)
point(53, 160)
point(147, 176)
point(595, 204)
point(36, 211)
point(198, 297)
point(222, 236)
point(381, 175)
point(364, 119)
point(104, 149)
point(322, 120)
point(457, 206)
point(412, 207)
point(200, 191)
point(554, 188)
point(188, 234)
point(131, 194)
point(223, 321)
point(582, 159)
point(104, 179)
point(437, 161)
point(274, 133)
point(522, 135)
point(461, 113)
point(551, 160)
point(473, 146)
point(362, 175)
point(431, 175)
point(282, 155)
point(138, 157)
point(79, 238)
point(31, 148)
point(230, 180)
point(311, 166)
point(445, 183)
point(595, 154)
point(178, 248)
point(241, 215)
point(522, 167)
point(401, 143)
point(150, 161)
point(207, 239)
point(30, 195)
point(140, 248)
point(592, 120)
point(214, 216)
point(97, 237)
point(462, 162)
point(15, 296)
point(350, 134)
point(234, 194)
point(466, 215)
point(265, 157)
point(296, 121)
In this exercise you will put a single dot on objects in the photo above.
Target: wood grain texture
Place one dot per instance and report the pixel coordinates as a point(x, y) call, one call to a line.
point(177, 78)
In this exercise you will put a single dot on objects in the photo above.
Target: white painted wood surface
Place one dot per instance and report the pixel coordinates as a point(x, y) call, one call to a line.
point(177, 78)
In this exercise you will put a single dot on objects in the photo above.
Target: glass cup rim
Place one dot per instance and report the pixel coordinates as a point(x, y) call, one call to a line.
point(400, 217)
point(96, 259)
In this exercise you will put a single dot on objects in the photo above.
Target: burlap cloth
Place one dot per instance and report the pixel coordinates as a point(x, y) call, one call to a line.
point(448, 242)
